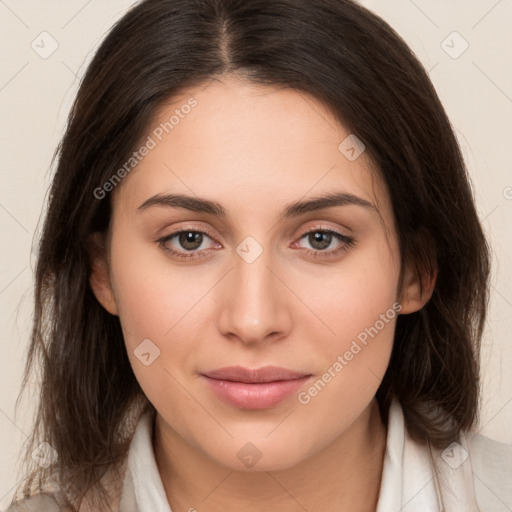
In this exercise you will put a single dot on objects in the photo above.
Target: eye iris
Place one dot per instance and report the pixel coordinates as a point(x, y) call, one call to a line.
point(188, 238)
point(323, 238)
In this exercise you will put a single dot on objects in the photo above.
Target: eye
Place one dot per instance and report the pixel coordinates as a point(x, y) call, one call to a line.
point(322, 239)
point(187, 243)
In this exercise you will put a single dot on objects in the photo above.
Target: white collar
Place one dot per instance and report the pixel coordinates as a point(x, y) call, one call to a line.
point(416, 477)
point(143, 490)
point(413, 477)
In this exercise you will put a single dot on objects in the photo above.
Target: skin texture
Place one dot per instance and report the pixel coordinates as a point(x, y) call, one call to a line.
point(254, 149)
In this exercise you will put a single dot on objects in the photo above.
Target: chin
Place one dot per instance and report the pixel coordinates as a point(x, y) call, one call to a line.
point(259, 454)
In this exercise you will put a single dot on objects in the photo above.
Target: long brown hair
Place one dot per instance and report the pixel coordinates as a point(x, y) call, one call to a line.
point(352, 61)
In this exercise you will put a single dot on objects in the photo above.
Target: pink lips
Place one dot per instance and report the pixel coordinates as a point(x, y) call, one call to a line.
point(260, 388)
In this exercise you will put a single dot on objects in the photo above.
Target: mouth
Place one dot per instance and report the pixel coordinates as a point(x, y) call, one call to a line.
point(260, 388)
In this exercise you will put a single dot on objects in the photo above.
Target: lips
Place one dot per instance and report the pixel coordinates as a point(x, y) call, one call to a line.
point(260, 388)
point(265, 374)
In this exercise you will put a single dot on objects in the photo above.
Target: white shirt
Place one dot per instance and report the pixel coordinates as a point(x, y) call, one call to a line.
point(473, 476)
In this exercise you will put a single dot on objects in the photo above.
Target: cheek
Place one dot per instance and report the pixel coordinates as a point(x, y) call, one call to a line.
point(149, 304)
point(164, 304)
point(353, 297)
point(152, 295)
point(358, 308)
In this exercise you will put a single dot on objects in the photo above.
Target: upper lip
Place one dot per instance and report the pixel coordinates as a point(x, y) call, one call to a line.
point(248, 375)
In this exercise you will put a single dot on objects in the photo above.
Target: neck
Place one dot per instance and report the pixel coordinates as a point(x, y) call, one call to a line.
point(343, 476)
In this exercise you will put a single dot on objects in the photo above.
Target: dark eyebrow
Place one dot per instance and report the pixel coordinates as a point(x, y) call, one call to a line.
point(194, 204)
point(295, 209)
point(325, 201)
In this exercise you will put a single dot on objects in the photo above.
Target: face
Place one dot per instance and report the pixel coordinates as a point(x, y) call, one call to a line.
point(253, 282)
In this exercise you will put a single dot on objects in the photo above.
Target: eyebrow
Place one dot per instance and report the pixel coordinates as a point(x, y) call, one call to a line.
point(294, 209)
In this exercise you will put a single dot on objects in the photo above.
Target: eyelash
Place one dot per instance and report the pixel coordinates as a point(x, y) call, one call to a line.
point(348, 242)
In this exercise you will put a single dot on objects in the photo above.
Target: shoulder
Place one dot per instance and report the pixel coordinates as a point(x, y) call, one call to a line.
point(38, 503)
point(492, 470)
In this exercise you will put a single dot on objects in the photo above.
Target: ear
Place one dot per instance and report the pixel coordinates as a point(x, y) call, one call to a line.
point(417, 288)
point(100, 273)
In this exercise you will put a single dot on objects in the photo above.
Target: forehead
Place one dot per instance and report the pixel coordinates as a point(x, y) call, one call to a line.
point(247, 145)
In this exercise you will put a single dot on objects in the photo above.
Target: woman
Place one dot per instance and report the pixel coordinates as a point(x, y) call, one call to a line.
point(262, 281)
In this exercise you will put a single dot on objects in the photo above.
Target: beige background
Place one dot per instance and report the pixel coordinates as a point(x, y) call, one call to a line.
point(35, 96)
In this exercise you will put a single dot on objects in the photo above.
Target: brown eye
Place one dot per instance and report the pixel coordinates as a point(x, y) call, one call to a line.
point(186, 243)
point(190, 240)
point(319, 240)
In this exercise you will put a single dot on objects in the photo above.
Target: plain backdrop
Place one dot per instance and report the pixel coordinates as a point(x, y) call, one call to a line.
point(466, 46)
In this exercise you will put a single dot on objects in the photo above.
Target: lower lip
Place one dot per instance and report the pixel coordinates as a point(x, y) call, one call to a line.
point(262, 395)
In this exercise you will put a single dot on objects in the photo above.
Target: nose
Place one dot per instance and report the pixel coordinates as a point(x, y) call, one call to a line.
point(254, 303)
